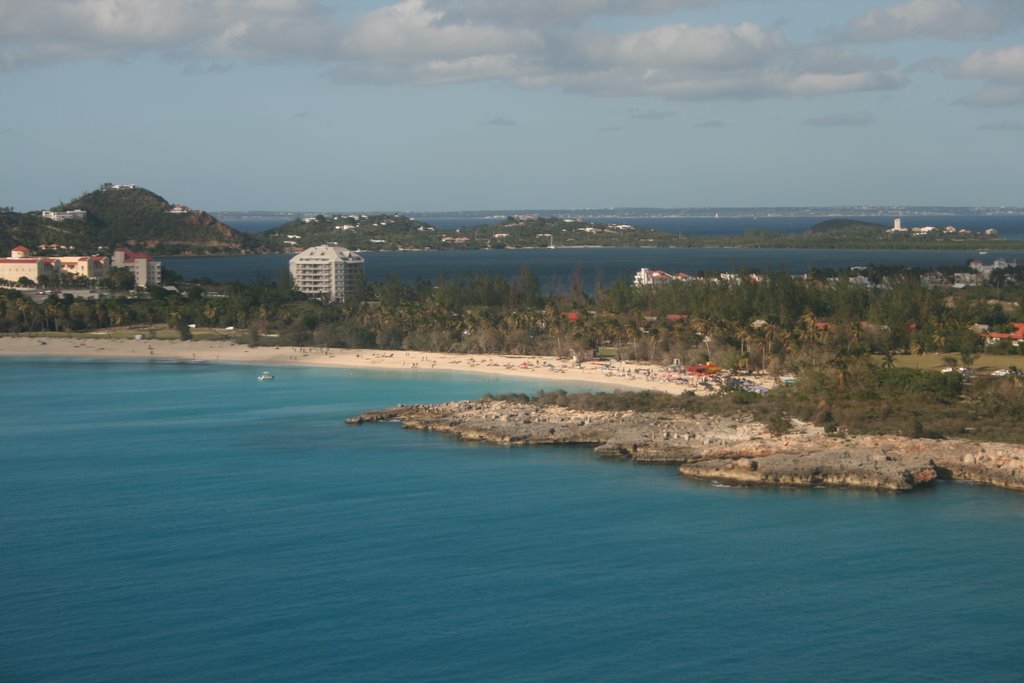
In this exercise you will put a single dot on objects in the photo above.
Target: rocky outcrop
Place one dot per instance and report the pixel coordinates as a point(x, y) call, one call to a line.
point(728, 449)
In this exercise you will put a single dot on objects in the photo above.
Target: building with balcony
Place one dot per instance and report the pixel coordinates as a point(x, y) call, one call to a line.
point(329, 271)
point(147, 272)
point(22, 264)
point(92, 267)
point(58, 216)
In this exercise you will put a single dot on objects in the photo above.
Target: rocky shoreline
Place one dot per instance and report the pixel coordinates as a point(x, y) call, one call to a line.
point(735, 450)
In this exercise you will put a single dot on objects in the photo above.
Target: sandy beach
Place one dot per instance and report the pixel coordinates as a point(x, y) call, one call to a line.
point(612, 374)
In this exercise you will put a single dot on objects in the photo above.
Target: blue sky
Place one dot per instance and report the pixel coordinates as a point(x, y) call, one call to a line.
point(433, 105)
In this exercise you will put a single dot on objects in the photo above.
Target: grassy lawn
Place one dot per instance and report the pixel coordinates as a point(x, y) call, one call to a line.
point(150, 332)
point(935, 361)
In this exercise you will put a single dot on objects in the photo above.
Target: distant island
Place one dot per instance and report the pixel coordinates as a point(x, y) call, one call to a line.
point(131, 216)
point(397, 232)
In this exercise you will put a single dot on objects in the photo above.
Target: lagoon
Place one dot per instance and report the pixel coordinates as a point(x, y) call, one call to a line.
point(556, 267)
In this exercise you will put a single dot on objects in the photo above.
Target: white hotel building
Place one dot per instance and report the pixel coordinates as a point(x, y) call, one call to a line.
point(329, 271)
point(147, 272)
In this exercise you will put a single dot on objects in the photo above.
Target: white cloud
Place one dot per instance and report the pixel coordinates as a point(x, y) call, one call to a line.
point(42, 32)
point(741, 62)
point(949, 19)
point(680, 45)
point(438, 41)
point(411, 29)
point(539, 13)
point(1002, 70)
point(1006, 64)
point(415, 41)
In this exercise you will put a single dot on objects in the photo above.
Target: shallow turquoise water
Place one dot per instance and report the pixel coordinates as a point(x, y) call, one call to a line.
point(185, 522)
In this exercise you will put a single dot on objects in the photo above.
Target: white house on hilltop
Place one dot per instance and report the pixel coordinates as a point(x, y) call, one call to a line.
point(73, 215)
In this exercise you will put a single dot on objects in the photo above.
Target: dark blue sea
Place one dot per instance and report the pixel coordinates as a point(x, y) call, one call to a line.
point(184, 522)
point(555, 268)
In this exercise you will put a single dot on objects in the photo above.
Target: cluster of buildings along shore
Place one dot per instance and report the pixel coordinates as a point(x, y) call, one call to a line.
point(332, 272)
point(23, 265)
point(39, 269)
point(327, 271)
point(978, 274)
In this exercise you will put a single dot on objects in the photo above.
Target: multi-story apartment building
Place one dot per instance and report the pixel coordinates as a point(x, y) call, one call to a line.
point(329, 271)
point(23, 264)
point(92, 267)
point(147, 272)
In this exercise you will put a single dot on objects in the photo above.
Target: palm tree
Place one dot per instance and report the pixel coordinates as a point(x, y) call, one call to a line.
point(51, 311)
point(841, 364)
point(25, 308)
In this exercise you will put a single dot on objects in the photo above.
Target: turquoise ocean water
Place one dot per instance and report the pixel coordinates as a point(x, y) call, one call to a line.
point(180, 522)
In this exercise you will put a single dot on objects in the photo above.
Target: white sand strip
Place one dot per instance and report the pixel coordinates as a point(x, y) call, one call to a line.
point(613, 374)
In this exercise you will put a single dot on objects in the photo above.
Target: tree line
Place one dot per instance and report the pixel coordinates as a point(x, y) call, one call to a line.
point(772, 323)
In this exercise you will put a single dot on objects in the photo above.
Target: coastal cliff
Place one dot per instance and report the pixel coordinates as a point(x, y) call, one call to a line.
point(727, 449)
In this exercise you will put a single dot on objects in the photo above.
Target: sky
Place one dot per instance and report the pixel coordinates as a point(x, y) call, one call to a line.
point(444, 105)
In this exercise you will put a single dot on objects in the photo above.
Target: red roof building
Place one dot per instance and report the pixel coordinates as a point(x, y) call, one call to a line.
point(1015, 337)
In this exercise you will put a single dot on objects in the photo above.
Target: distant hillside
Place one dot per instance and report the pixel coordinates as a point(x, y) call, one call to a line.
point(137, 217)
point(30, 230)
point(375, 232)
point(387, 232)
point(541, 231)
point(848, 227)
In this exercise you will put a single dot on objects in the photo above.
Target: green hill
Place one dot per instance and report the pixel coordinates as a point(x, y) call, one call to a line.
point(537, 231)
point(375, 232)
point(387, 232)
point(30, 230)
point(848, 228)
point(136, 217)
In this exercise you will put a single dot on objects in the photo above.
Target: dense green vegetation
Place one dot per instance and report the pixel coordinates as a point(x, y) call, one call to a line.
point(775, 323)
point(841, 341)
point(388, 232)
point(28, 229)
point(377, 232)
point(132, 217)
point(874, 400)
point(139, 218)
point(850, 234)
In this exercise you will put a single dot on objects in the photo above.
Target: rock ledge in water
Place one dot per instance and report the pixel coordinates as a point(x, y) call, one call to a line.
point(730, 449)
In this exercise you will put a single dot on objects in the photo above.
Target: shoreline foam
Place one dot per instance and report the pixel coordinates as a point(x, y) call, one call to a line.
point(620, 375)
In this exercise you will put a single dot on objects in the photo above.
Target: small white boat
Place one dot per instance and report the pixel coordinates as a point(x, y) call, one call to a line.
point(264, 376)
